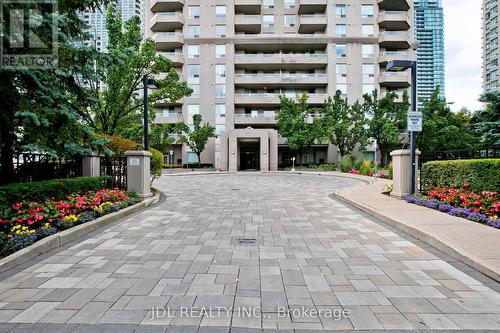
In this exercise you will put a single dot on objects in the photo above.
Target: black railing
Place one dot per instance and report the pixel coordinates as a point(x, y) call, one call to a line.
point(30, 167)
point(116, 167)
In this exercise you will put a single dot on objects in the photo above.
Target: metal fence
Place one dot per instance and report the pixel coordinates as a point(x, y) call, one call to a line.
point(30, 167)
point(116, 167)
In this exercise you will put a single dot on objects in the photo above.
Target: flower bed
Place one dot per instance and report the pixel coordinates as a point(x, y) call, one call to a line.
point(25, 222)
point(483, 208)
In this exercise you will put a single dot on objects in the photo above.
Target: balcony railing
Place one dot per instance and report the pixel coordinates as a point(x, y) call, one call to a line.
point(284, 75)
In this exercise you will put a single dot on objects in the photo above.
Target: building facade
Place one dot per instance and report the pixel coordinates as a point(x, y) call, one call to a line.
point(429, 33)
point(491, 27)
point(96, 21)
point(239, 56)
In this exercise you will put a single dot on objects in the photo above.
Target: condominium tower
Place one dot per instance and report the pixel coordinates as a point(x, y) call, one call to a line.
point(96, 21)
point(429, 33)
point(491, 27)
point(239, 56)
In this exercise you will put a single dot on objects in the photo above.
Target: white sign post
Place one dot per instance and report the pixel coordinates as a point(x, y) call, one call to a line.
point(414, 121)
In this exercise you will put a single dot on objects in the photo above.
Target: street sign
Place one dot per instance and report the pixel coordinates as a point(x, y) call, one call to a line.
point(414, 121)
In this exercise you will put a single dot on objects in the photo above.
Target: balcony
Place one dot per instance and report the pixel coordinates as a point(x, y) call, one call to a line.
point(255, 118)
point(248, 23)
point(394, 4)
point(166, 5)
point(177, 59)
point(394, 40)
point(312, 6)
point(312, 23)
point(292, 60)
point(257, 80)
point(168, 117)
point(248, 6)
point(168, 41)
point(167, 21)
point(395, 79)
point(394, 20)
point(399, 96)
point(385, 57)
point(265, 99)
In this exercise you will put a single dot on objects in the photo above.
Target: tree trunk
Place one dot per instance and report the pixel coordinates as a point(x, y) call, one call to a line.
point(199, 160)
point(9, 100)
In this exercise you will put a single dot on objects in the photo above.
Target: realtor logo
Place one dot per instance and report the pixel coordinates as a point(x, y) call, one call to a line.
point(29, 34)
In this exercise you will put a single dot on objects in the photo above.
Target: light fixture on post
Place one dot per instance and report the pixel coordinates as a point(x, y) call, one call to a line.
point(399, 66)
point(147, 84)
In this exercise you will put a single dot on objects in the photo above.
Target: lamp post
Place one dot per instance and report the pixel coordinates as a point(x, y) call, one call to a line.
point(147, 83)
point(293, 164)
point(399, 66)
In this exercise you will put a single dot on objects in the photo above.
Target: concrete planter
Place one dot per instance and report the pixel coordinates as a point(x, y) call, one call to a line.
point(54, 241)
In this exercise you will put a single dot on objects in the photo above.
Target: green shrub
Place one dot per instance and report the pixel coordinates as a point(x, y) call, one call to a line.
point(366, 168)
point(357, 164)
point(55, 188)
point(156, 164)
point(482, 175)
point(328, 167)
point(347, 163)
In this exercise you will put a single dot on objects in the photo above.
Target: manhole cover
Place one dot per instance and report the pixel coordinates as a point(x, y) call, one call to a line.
point(247, 241)
point(235, 189)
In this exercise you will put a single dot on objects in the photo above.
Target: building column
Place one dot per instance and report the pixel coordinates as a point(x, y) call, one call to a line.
point(273, 150)
point(264, 153)
point(233, 153)
point(224, 151)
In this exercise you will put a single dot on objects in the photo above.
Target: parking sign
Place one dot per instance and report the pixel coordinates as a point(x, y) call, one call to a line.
point(414, 121)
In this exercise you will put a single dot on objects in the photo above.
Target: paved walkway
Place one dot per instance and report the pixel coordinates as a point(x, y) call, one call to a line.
point(322, 264)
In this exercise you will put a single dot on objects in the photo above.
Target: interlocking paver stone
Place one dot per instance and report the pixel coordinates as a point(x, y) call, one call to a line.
point(311, 253)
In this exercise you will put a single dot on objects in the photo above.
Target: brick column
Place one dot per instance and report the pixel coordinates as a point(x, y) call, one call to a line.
point(138, 172)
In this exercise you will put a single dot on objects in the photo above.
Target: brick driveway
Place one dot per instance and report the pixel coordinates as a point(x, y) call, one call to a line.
point(313, 259)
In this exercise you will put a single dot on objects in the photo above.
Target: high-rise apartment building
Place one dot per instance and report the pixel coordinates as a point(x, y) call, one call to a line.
point(491, 27)
point(96, 21)
point(429, 32)
point(239, 56)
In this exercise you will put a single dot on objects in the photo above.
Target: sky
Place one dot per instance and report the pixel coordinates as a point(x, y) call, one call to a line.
point(462, 24)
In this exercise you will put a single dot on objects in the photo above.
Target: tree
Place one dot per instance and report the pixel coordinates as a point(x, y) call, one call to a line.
point(162, 135)
point(197, 137)
point(442, 129)
point(487, 121)
point(298, 124)
point(119, 106)
point(344, 125)
point(386, 120)
point(40, 107)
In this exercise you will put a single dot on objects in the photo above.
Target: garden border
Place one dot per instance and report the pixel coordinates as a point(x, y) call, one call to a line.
point(56, 240)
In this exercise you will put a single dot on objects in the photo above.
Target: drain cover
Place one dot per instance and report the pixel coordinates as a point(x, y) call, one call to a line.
point(235, 189)
point(247, 241)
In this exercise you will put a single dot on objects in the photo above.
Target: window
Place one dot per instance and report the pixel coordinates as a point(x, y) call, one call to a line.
point(289, 4)
point(196, 90)
point(220, 30)
point(366, 11)
point(168, 112)
point(289, 20)
point(220, 71)
point(368, 50)
point(220, 11)
point(193, 71)
point(340, 11)
point(220, 90)
point(220, 51)
point(341, 30)
point(341, 70)
point(220, 110)
point(341, 50)
point(268, 3)
point(268, 20)
point(368, 89)
point(342, 88)
point(193, 51)
point(193, 31)
point(194, 12)
point(368, 70)
point(192, 109)
point(367, 30)
point(219, 129)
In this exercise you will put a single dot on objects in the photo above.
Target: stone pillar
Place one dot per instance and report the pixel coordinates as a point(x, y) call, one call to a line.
point(273, 150)
point(138, 172)
point(264, 153)
point(91, 165)
point(233, 153)
point(401, 160)
point(224, 147)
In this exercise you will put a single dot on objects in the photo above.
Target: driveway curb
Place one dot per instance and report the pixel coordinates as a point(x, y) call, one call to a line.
point(447, 246)
point(54, 241)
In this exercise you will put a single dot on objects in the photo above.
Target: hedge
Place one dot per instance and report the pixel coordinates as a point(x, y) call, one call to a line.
point(482, 175)
point(55, 188)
